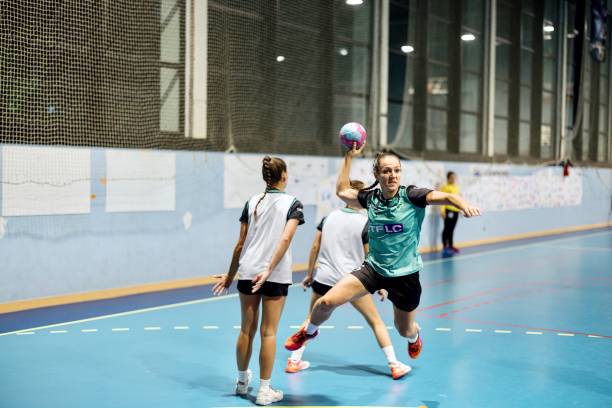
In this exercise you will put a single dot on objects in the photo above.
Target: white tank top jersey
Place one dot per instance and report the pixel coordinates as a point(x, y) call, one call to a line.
point(264, 234)
point(344, 232)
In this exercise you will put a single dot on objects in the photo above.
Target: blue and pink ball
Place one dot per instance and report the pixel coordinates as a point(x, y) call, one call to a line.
point(350, 133)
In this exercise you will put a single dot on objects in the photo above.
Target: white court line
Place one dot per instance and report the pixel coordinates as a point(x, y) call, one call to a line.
point(444, 329)
point(120, 329)
point(566, 334)
point(152, 328)
point(295, 285)
point(473, 330)
point(354, 327)
point(593, 336)
point(210, 327)
point(237, 327)
point(89, 330)
point(326, 327)
point(533, 332)
point(58, 331)
point(503, 331)
point(25, 333)
point(181, 327)
point(579, 248)
point(294, 327)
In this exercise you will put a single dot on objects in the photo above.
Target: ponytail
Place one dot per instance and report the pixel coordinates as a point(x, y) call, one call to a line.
point(267, 176)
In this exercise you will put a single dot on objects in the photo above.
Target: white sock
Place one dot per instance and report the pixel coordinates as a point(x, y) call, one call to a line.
point(390, 354)
point(311, 328)
point(264, 384)
point(413, 339)
point(297, 354)
point(243, 376)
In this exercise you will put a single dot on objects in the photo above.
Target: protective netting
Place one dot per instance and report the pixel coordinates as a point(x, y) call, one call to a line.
point(77, 72)
point(281, 74)
point(275, 70)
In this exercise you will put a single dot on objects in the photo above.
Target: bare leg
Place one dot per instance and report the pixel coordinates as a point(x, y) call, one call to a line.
point(365, 306)
point(249, 306)
point(405, 322)
point(346, 290)
point(272, 309)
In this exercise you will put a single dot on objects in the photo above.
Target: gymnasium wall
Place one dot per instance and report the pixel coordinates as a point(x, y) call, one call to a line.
point(82, 220)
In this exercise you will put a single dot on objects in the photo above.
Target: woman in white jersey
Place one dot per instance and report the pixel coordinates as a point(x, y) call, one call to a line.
point(395, 214)
point(262, 259)
point(340, 245)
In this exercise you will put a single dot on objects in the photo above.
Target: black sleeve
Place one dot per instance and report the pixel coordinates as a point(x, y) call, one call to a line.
point(418, 196)
point(244, 218)
point(364, 196)
point(296, 212)
point(320, 226)
point(364, 234)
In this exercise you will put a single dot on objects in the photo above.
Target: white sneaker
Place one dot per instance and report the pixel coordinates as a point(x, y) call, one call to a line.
point(268, 396)
point(399, 369)
point(243, 387)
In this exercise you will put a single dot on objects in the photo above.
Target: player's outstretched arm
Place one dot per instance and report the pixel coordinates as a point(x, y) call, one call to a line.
point(440, 198)
point(343, 184)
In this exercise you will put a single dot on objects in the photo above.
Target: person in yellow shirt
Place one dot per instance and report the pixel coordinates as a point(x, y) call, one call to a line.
point(450, 215)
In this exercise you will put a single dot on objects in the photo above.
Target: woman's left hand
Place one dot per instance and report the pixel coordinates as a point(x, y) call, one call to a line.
point(259, 280)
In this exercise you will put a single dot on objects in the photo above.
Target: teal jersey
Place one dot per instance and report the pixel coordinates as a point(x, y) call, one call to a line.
point(394, 230)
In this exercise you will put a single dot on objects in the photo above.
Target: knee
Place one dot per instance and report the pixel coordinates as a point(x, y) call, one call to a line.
point(326, 304)
point(268, 333)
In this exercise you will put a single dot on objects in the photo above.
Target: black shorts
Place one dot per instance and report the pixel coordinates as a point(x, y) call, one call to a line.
point(320, 288)
point(404, 291)
point(271, 289)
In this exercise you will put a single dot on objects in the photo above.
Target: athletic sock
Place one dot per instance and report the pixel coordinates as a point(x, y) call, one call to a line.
point(243, 376)
point(413, 339)
point(311, 328)
point(390, 354)
point(264, 384)
point(297, 354)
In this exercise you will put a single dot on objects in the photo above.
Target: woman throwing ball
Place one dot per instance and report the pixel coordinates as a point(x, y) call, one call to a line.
point(395, 216)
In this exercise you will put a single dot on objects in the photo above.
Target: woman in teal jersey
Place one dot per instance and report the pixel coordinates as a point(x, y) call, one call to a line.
point(395, 215)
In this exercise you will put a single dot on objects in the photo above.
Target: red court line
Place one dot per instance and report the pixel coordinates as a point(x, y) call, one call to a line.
point(519, 326)
point(468, 297)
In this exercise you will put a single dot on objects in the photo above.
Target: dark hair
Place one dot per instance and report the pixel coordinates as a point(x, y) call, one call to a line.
point(450, 173)
point(272, 170)
point(376, 167)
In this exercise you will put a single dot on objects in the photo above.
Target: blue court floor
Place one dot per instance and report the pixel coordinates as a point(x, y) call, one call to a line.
point(525, 325)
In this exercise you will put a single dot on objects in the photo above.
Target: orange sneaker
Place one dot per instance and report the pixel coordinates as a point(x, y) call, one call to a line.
point(398, 370)
point(295, 366)
point(414, 349)
point(298, 339)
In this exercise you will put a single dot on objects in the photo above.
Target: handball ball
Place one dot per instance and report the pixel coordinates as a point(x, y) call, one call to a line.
point(350, 133)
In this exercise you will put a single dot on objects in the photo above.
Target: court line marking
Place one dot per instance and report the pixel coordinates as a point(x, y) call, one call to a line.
point(89, 330)
point(152, 328)
point(579, 248)
point(181, 327)
point(58, 331)
point(210, 327)
point(27, 333)
point(534, 332)
point(354, 327)
point(566, 334)
point(233, 295)
point(327, 327)
point(594, 336)
point(503, 331)
point(120, 329)
point(444, 329)
point(473, 330)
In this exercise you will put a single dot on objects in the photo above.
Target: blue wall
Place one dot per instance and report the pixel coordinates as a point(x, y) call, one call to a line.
point(63, 254)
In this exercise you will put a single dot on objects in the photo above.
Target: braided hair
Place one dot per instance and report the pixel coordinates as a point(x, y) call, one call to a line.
point(272, 170)
point(376, 168)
